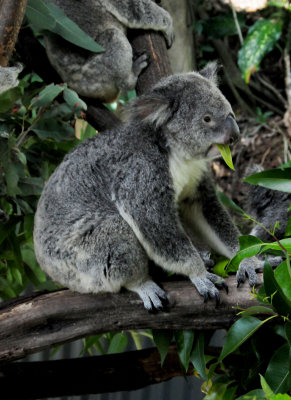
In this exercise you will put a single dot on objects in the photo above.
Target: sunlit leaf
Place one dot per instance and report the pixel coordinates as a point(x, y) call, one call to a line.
point(47, 95)
point(226, 154)
point(260, 40)
point(117, 343)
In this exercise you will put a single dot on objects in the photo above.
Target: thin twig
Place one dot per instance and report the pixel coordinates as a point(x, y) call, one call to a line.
point(239, 32)
point(272, 89)
point(23, 134)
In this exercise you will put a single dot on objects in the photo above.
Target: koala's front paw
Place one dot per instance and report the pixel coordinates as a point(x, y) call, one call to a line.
point(153, 297)
point(246, 269)
point(206, 286)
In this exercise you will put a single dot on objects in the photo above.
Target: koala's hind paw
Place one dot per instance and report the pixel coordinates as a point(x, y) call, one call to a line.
point(206, 286)
point(246, 269)
point(139, 64)
point(153, 297)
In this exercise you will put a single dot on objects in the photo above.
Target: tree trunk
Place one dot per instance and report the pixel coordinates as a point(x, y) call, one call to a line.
point(11, 16)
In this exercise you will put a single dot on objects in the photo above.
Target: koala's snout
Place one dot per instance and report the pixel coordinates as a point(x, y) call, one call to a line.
point(230, 130)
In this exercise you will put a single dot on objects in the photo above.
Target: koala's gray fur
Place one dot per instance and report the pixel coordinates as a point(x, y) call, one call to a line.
point(9, 77)
point(103, 75)
point(268, 207)
point(140, 191)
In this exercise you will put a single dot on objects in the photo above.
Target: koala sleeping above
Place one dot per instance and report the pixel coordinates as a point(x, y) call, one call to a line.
point(103, 75)
point(133, 193)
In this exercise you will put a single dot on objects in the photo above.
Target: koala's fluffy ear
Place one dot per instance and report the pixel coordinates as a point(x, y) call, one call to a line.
point(153, 109)
point(210, 72)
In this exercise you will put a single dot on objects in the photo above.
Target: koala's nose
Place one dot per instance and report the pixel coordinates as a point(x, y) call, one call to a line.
point(230, 130)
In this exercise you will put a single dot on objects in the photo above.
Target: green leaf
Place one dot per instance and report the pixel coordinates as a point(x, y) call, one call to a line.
point(257, 310)
point(74, 101)
point(268, 392)
point(8, 99)
point(50, 128)
point(162, 339)
point(260, 40)
point(197, 356)
point(227, 202)
point(277, 374)
point(47, 95)
point(117, 343)
point(284, 280)
point(184, 341)
point(288, 332)
point(239, 332)
point(257, 394)
point(17, 275)
point(28, 256)
point(226, 154)
point(249, 247)
point(286, 243)
point(288, 227)
point(274, 291)
point(219, 268)
point(44, 15)
point(276, 179)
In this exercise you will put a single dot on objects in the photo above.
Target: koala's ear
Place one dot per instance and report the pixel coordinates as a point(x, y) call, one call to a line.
point(210, 72)
point(153, 109)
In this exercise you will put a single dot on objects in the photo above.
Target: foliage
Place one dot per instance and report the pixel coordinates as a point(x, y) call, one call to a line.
point(46, 16)
point(36, 132)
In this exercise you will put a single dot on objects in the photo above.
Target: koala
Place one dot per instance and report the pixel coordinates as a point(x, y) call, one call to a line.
point(267, 206)
point(103, 75)
point(139, 192)
point(9, 77)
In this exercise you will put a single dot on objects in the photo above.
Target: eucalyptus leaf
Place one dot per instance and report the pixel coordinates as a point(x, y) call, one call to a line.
point(226, 154)
point(8, 98)
point(266, 388)
point(162, 339)
point(44, 15)
point(277, 374)
point(282, 276)
point(184, 341)
point(227, 202)
point(257, 394)
point(276, 179)
point(197, 356)
point(47, 95)
point(74, 101)
point(239, 332)
point(274, 291)
point(250, 246)
point(117, 343)
point(260, 40)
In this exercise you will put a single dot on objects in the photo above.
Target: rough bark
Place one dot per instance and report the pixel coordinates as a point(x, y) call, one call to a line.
point(11, 16)
point(89, 375)
point(41, 321)
point(153, 44)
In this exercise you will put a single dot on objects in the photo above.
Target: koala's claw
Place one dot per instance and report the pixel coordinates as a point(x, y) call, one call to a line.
point(247, 269)
point(153, 297)
point(206, 286)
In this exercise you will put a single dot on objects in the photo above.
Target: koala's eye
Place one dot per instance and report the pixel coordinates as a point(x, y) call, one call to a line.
point(207, 119)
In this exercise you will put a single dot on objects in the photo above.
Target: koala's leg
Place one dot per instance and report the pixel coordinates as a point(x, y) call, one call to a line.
point(110, 257)
point(213, 224)
point(97, 75)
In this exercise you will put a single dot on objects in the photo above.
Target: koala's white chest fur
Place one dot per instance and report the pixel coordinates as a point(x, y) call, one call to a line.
point(186, 175)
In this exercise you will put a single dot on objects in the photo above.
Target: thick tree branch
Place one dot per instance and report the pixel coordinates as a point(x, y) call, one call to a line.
point(37, 322)
point(11, 16)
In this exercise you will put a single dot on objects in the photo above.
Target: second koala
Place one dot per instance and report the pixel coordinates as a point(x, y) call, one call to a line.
point(103, 75)
point(140, 192)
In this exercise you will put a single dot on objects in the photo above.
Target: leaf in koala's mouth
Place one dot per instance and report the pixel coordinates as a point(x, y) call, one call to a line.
point(226, 154)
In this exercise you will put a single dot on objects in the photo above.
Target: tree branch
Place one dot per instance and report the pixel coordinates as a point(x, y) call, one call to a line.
point(11, 16)
point(40, 321)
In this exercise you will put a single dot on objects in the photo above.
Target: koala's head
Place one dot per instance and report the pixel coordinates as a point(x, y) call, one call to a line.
point(190, 111)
